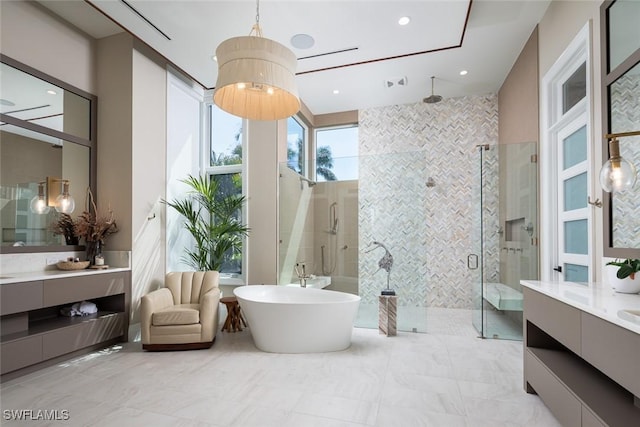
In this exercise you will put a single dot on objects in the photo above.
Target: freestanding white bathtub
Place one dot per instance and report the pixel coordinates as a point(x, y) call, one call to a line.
point(285, 319)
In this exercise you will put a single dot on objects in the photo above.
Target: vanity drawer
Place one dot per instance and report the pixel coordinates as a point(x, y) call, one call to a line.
point(20, 353)
point(19, 297)
point(83, 334)
point(74, 289)
point(557, 319)
point(613, 350)
point(562, 403)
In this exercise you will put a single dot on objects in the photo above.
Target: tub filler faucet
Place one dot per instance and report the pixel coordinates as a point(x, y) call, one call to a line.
point(302, 275)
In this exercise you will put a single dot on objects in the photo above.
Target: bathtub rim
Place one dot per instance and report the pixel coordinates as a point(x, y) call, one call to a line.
point(346, 297)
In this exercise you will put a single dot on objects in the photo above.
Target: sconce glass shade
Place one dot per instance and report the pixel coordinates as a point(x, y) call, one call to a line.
point(65, 202)
point(38, 204)
point(617, 174)
point(256, 79)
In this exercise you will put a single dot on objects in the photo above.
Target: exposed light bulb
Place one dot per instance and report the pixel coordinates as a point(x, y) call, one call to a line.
point(64, 202)
point(38, 204)
point(617, 174)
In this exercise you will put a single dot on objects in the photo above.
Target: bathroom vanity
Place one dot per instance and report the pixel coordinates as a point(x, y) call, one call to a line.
point(582, 352)
point(33, 331)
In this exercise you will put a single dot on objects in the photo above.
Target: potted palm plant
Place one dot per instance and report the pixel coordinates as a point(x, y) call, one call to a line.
point(212, 219)
point(626, 278)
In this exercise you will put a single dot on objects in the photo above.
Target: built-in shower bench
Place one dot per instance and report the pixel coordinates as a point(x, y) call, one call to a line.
point(503, 297)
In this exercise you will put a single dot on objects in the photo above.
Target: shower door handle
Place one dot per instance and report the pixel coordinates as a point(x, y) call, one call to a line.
point(474, 258)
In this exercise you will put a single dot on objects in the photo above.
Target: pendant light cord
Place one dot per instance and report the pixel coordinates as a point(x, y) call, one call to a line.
point(256, 27)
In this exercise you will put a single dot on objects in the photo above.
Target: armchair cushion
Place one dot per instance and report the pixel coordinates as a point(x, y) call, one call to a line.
point(183, 314)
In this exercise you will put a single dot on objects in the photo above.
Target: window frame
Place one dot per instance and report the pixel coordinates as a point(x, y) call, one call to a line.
point(207, 169)
point(305, 145)
point(314, 170)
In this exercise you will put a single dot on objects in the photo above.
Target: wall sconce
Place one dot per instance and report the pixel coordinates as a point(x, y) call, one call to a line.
point(55, 194)
point(617, 174)
point(39, 203)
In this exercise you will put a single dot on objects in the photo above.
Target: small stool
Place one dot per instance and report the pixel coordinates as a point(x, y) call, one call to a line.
point(234, 319)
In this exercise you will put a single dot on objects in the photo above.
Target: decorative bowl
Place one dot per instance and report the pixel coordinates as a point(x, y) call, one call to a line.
point(70, 265)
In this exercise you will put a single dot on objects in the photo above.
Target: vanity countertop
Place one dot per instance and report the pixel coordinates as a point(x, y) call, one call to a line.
point(597, 299)
point(8, 278)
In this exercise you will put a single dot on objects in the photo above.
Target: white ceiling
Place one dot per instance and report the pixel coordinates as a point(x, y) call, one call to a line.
point(444, 37)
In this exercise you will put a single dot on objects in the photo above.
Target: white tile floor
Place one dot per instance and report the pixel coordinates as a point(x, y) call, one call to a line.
point(446, 377)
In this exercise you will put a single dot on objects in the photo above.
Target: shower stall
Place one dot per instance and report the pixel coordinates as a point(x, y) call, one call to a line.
point(452, 229)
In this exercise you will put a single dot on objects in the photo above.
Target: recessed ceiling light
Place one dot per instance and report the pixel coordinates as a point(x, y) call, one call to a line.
point(336, 91)
point(302, 41)
point(404, 20)
point(214, 58)
point(463, 72)
point(52, 92)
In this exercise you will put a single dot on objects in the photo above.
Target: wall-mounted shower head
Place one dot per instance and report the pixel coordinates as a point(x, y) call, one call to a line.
point(433, 98)
point(309, 182)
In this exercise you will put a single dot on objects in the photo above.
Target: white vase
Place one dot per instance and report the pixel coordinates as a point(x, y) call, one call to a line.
point(626, 285)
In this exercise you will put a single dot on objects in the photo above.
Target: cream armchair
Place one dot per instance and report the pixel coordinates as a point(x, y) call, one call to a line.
point(184, 314)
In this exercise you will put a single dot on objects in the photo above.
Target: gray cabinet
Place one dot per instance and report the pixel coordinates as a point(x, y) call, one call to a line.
point(584, 368)
point(34, 332)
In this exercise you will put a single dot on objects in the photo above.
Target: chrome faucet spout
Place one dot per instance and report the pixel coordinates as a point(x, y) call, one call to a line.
point(302, 276)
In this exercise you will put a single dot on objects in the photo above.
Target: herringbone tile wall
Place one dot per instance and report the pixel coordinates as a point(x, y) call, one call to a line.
point(428, 230)
point(625, 117)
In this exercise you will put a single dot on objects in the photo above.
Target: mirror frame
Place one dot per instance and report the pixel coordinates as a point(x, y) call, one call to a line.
point(91, 143)
point(608, 78)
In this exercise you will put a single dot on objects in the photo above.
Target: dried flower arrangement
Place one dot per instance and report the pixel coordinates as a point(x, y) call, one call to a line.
point(65, 226)
point(91, 226)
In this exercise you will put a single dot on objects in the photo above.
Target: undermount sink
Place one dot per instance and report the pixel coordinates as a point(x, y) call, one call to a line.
point(630, 315)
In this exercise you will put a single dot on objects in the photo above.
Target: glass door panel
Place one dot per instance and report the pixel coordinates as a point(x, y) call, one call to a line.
point(574, 214)
point(474, 257)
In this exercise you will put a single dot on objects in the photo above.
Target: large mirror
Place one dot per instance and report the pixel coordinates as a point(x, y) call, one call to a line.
point(47, 148)
point(621, 113)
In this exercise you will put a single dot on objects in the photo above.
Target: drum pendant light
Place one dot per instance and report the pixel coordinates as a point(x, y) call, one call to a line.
point(256, 77)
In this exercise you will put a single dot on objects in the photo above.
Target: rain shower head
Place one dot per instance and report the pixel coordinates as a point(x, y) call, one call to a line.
point(433, 98)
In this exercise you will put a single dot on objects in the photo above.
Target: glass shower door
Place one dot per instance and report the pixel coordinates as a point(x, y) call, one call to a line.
point(475, 258)
point(505, 237)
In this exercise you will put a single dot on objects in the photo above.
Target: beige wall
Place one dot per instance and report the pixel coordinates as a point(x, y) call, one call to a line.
point(149, 118)
point(262, 203)
point(518, 97)
point(30, 34)
point(115, 91)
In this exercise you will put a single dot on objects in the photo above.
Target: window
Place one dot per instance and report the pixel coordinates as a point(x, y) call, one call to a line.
point(566, 174)
point(336, 153)
point(225, 147)
point(296, 144)
point(225, 138)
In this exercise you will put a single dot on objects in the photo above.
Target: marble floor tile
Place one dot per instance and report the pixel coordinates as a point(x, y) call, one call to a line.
point(447, 377)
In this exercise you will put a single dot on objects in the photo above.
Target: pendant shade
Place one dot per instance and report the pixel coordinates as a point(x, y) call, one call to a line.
point(256, 79)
